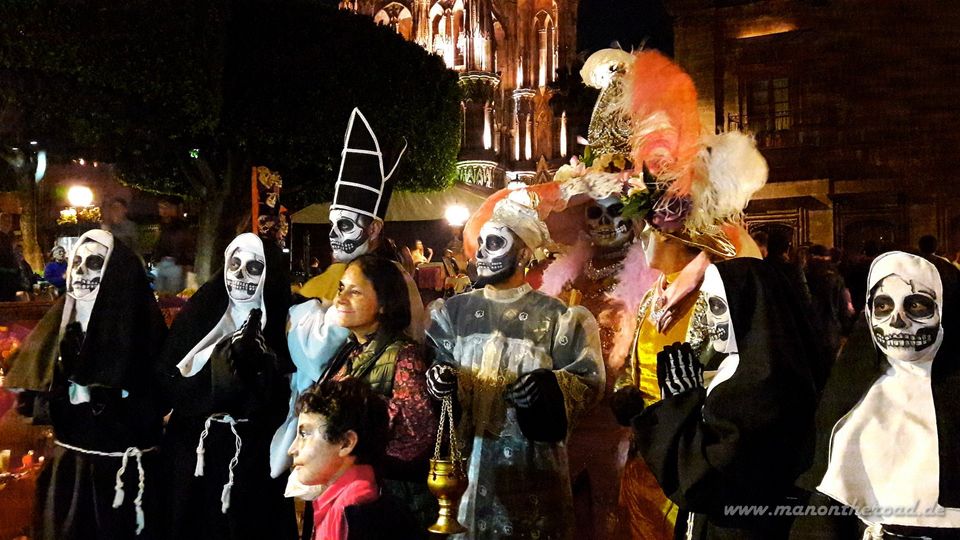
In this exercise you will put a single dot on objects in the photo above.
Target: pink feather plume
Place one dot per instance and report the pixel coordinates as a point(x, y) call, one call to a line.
point(566, 267)
point(635, 280)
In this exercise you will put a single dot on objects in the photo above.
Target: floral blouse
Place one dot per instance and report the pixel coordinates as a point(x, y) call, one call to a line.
point(413, 418)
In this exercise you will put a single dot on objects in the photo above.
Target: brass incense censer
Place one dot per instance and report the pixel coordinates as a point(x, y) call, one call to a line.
point(447, 479)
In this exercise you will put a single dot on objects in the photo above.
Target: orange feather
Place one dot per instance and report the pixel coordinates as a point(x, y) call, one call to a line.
point(665, 119)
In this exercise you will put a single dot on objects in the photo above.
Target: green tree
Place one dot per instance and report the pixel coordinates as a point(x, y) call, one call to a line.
point(18, 167)
point(185, 97)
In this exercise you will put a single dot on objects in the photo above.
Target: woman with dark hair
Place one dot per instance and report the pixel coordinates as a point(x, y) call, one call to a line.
point(373, 303)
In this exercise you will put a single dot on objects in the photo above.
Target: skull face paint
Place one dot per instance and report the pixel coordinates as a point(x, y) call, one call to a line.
point(606, 226)
point(244, 271)
point(86, 269)
point(349, 237)
point(497, 254)
point(905, 317)
point(719, 324)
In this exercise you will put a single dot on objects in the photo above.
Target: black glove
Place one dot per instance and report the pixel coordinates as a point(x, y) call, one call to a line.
point(538, 400)
point(626, 403)
point(103, 398)
point(248, 355)
point(441, 380)
point(70, 349)
point(678, 370)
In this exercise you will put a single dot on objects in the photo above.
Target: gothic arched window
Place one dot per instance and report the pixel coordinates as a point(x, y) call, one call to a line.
point(397, 17)
point(546, 33)
point(446, 27)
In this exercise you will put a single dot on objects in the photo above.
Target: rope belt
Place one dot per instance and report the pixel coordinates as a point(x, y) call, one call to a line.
point(222, 418)
point(118, 487)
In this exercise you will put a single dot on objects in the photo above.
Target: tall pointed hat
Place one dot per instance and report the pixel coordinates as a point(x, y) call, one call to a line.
point(362, 181)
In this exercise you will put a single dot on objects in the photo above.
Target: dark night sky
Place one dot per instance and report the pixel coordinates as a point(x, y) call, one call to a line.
point(631, 22)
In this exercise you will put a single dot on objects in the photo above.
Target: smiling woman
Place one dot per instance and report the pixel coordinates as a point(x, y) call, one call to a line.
point(374, 304)
point(357, 307)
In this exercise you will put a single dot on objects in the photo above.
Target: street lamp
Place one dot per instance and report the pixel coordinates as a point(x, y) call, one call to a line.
point(456, 215)
point(81, 215)
point(79, 196)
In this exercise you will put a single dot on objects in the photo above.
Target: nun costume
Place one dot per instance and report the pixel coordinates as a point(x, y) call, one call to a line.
point(93, 360)
point(225, 364)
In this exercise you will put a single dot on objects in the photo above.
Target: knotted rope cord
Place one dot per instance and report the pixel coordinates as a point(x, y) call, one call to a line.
point(118, 494)
point(222, 418)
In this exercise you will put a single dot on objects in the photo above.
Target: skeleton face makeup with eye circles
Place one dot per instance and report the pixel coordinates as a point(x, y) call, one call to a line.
point(606, 226)
point(349, 237)
point(86, 269)
point(905, 317)
point(244, 270)
point(719, 323)
point(498, 252)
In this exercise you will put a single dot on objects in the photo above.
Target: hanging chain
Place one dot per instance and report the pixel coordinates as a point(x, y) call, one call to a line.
point(443, 418)
point(446, 415)
point(454, 444)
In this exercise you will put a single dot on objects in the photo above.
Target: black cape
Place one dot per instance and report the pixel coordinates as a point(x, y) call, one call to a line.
point(124, 335)
point(258, 508)
point(748, 440)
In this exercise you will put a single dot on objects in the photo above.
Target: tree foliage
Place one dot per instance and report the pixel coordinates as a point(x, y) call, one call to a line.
point(184, 97)
point(142, 83)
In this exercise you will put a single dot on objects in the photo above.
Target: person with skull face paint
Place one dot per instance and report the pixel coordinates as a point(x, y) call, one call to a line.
point(523, 366)
point(595, 267)
point(591, 271)
point(315, 336)
point(359, 206)
point(888, 425)
point(687, 196)
point(93, 359)
point(745, 438)
point(226, 361)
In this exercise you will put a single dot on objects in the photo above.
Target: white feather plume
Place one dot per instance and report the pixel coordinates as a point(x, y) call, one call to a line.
point(596, 70)
point(730, 171)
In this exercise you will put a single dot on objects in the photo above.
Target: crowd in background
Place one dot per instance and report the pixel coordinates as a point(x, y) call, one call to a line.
point(169, 254)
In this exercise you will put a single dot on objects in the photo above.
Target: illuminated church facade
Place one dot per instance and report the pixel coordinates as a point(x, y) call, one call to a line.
point(507, 53)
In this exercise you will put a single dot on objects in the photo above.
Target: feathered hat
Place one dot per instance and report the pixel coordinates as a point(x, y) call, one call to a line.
point(609, 129)
point(692, 188)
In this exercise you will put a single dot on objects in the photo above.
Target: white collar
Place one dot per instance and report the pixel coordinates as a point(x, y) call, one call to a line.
point(506, 295)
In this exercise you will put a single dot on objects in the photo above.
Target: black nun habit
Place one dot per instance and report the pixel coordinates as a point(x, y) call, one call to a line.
point(744, 439)
point(225, 364)
point(93, 359)
point(910, 401)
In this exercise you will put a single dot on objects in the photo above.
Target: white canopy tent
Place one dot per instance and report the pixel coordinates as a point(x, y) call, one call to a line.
point(407, 205)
